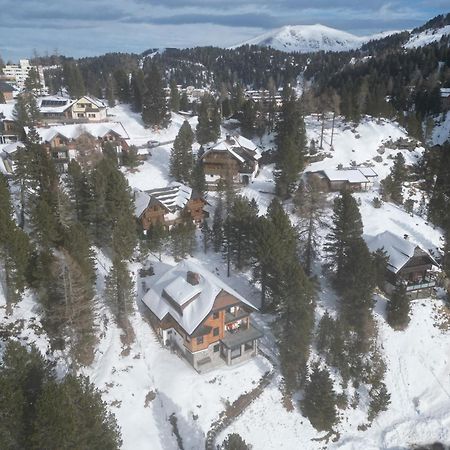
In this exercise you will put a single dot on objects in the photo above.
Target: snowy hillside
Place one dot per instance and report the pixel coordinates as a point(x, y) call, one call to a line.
point(144, 384)
point(311, 38)
point(427, 37)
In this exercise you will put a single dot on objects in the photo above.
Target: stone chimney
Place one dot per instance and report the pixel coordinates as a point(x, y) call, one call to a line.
point(193, 278)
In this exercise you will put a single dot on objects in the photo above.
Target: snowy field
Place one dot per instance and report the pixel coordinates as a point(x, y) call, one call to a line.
point(144, 384)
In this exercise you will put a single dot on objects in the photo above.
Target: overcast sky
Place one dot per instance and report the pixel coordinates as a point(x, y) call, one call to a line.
point(92, 27)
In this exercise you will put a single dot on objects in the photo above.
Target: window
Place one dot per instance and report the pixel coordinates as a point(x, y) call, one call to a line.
point(216, 331)
point(236, 352)
point(215, 315)
point(248, 346)
point(200, 340)
point(216, 348)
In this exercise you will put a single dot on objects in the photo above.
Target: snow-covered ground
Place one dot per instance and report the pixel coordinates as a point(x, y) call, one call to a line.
point(427, 37)
point(144, 383)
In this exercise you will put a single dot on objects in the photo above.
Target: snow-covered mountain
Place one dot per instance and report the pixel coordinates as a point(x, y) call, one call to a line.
point(311, 38)
point(427, 37)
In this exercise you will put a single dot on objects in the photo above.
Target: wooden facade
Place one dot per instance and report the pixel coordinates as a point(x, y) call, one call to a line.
point(195, 314)
point(157, 214)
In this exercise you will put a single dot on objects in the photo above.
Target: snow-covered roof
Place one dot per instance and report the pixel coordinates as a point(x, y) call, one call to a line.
point(192, 315)
point(181, 291)
point(6, 109)
point(141, 201)
point(351, 176)
point(368, 172)
point(10, 148)
point(94, 100)
point(74, 131)
point(173, 197)
point(399, 250)
point(238, 146)
point(224, 146)
point(54, 104)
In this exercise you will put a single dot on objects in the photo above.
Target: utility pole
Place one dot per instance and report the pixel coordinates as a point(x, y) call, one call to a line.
point(321, 133)
point(332, 130)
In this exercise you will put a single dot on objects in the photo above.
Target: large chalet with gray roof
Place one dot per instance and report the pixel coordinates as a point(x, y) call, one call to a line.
point(196, 313)
point(235, 158)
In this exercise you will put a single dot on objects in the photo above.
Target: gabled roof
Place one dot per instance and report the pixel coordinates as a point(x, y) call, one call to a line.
point(350, 175)
point(9, 149)
point(74, 131)
point(238, 146)
point(54, 104)
point(201, 298)
point(399, 250)
point(94, 100)
point(173, 197)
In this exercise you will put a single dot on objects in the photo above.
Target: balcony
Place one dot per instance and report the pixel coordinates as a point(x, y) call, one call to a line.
point(232, 339)
point(238, 315)
point(416, 286)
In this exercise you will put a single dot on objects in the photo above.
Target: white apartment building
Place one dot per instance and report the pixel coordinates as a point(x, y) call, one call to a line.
point(18, 73)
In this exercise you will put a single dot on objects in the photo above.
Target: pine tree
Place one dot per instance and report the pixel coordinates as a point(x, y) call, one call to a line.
point(154, 105)
point(198, 181)
point(392, 185)
point(184, 102)
point(347, 228)
point(119, 293)
point(137, 90)
point(62, 423)
point(73, 79)
point(14, 248)
point(182, 239)
point(156, 238)
point(33, 83)
point(290, 143)
point(319, 402)
point(174, 96)
point(217, 227)
point(69, 313)
point(26, 112)
point(80, 193)
point(208, 127)
point(310, 201)
point(40, 411)
point(248, 118)
point(398, 309)
point(181, 158)
point(234, 442)
point(295, 322)
point(239, 227)
point(122, 85)
point(22, 375)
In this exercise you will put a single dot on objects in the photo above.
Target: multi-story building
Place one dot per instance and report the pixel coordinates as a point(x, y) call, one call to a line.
point(192, 310)
point(18, 73)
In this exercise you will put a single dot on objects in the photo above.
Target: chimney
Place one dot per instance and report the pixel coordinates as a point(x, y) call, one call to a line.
point(193, 278)
point(229, 139)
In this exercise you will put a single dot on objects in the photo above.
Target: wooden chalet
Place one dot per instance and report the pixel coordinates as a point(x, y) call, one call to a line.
point(408, 264)
point(169, 206)
point(62, 141)
point(234, 158)
point(360, 179)
point(196, 313)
